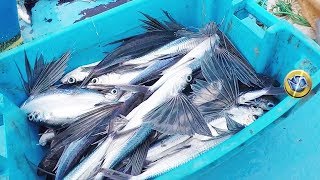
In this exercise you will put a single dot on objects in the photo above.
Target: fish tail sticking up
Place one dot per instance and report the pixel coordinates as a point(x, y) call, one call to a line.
point(114, 175)
point(43, 76)
point(34, 166)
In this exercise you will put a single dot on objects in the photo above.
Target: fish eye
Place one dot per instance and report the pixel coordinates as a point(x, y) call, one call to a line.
point(270, 105)
point(189, 78)
point(95, 80)
point(30, 117)
point(114, 91)
point(36, 116)
point(71, 80)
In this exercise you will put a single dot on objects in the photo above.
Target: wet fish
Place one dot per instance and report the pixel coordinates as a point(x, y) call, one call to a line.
point(91, 163)
point(156, 62)
point(217, 98)
point(79, 74)
point(158, 35)
point(182, 45)
point(101, 121)
point(72, 155)
point(136, 75)
point(202, 92)
point(168, 94)
point(179, 149)
point(115, 78)
point(59, 107)
point(43, 75)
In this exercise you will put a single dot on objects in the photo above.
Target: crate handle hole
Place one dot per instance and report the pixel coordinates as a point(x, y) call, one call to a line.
point(243, 15)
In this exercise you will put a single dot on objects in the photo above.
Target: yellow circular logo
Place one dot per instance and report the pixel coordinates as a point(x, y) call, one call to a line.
point(297, 83)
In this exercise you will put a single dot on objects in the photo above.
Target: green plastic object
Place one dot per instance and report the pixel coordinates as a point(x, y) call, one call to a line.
point(272, 46)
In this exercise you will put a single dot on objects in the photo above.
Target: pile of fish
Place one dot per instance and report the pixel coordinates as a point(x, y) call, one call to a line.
point(160, 99)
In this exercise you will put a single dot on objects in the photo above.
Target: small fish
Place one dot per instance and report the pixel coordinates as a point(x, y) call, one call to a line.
point(79, 74)
point(167, 96)
point(103, 121)
point(179, 149)
point(43, 75)
point(90, 164)
point(136, 76)
point(59, 107)
point(115, 78)
point(158, 35)
point(71, 156)
point(181, 45)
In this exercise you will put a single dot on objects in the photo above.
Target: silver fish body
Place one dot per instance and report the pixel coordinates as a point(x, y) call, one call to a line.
point(61, 106)
point(190, 59)
point(171, 86)
point(182, 45)
point(115, 78)
point(91, 163)
point(179, 149)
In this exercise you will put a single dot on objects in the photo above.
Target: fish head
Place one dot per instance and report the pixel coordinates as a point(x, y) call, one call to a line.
point(96, 81)
point(266, 104)
point(114, 94)
point(75, 76)
point(36, 116)
point(178, 82)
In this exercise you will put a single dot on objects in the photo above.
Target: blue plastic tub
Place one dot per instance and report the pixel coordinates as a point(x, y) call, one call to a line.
point(274, 48)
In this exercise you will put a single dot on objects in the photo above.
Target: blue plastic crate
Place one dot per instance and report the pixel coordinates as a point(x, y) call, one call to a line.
point(274, 48)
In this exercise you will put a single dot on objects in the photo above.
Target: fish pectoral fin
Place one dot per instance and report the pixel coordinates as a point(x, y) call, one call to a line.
point(113, 174)
point(34, 166)
point(133, 88)
point(117, 124)
point(172, 24)
point(220, 131)
point(177, 115)
point(43, 76)
point(176, 56)
point(227, 44)
point(152, 24)
point(138, 157)
point(221, 79)
point(233, 125)
point(240, 68)
point(87, 124)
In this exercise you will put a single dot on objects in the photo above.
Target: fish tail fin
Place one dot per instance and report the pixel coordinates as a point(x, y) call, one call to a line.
point(32, 165)
point(113, 174)
point(43, 76)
